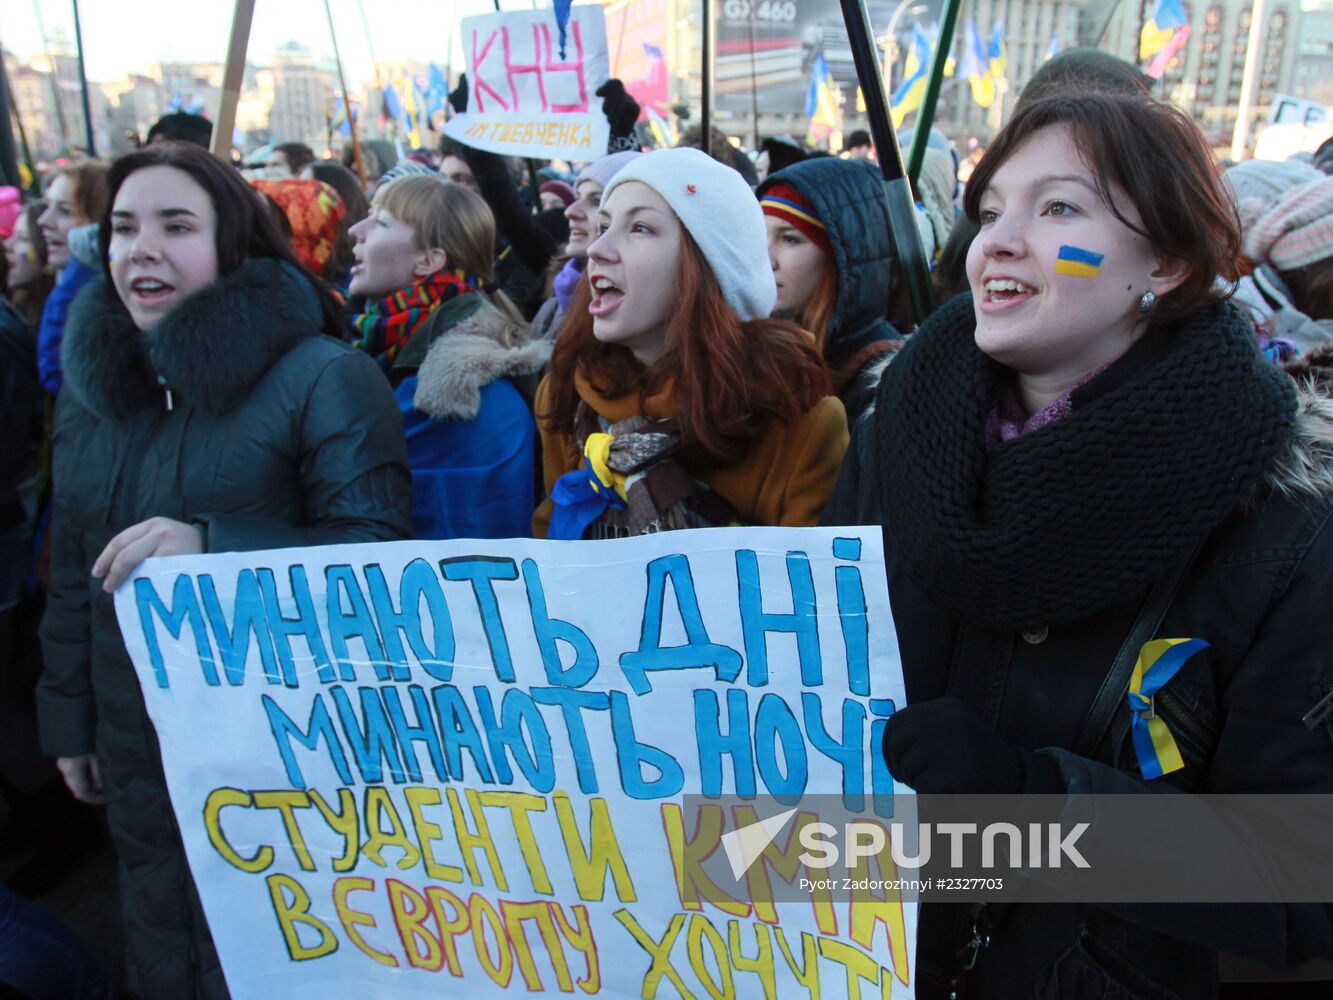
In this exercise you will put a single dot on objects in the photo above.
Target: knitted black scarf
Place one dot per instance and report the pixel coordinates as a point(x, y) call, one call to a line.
point(1086, 512)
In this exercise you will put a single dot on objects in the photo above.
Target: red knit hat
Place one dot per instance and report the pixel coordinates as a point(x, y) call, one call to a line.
point(782, 201)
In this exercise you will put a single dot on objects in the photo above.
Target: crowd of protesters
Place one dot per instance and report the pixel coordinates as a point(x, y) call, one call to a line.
point(1115, 424)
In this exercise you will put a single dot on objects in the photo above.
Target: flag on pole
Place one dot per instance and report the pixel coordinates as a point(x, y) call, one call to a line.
point(437, 91)
point(412, 112)
point(912, 91)
point(1158, 30)
point(423, 106)
point(1168, 52)
point(662, 131)
point(821, 101)
point(393, 110)
point(950, 64)
point(561, 22)
point(976, 68)
point(341, 121)
point(996, 54)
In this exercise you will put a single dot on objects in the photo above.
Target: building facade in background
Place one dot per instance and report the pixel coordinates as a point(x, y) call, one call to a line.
point(289, 100)
point(765, 54)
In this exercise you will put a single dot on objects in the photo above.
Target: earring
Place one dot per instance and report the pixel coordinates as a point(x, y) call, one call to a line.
point(1146, 303)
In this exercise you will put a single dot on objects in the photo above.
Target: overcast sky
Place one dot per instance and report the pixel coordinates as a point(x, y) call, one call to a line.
point(121, 36)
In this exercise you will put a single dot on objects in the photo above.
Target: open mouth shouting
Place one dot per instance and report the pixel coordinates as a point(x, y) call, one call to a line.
point(150, 292)
point(606, 296)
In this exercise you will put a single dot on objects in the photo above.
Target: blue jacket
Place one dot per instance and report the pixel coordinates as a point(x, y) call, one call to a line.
point(471, 439)
point(82, 268)
point(54, 314)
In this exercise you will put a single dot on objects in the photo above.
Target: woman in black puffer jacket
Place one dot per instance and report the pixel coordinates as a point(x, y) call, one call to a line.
point(205, 411)
point(1090, 448)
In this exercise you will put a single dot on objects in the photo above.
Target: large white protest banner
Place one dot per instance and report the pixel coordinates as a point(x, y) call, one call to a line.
point(457, 768)
point(532, 77)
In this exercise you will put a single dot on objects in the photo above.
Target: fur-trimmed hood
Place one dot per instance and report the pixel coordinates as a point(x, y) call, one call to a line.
point(210, 351)
point(471, 355)
point(1305, 469)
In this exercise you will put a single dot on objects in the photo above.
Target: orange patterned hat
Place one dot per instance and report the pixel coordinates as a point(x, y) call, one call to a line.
point(314, 210)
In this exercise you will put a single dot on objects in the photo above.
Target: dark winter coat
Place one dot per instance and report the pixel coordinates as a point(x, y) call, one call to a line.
point(525, 247)
point(1258, 591)
point(20, 410)
point(273, 435)
point(848, 197)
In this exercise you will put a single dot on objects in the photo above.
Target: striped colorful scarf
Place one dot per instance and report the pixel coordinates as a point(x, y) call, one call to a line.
point(387, 324)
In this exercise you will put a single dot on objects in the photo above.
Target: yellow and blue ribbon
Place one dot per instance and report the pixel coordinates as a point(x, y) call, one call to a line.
point(1158, 661)
point(581, 496)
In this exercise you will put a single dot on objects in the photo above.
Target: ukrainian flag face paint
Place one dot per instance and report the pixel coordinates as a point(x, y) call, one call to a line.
point(1075, 262)
point(1056, 275)
point(21, 256)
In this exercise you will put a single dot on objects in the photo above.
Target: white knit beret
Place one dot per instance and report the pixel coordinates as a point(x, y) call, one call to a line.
point(722, 215)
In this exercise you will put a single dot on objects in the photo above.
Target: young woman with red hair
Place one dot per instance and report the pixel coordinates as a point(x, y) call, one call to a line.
point(673, 401)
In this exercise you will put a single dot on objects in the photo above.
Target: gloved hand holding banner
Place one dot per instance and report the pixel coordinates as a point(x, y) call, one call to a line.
point(532, 81)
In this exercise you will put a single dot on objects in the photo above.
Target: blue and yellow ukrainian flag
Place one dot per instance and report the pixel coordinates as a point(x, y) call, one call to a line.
point(996, 53)
point(821, 101)
point(1159, 29)
point(912, 91)
point(1158, 661)
point(975, 67)
point(1078, 263)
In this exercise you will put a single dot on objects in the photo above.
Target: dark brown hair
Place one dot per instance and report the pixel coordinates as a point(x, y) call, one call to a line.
point(1312, 288)
point(730, 380)
point(1081, 71)
point(30, 299)
point(297, 154)
point(1158, 157)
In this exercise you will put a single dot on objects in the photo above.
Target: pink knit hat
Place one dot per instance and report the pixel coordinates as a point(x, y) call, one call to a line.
point(1297, 230)
point(11, 207)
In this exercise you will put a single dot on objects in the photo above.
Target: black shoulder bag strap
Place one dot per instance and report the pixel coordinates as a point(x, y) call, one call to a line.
point(1102, 713)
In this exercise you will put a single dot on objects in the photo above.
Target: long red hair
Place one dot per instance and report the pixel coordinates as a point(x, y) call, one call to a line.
point(730, 379)
point(818, 312)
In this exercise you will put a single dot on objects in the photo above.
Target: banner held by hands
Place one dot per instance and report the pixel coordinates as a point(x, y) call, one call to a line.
point(524, 98)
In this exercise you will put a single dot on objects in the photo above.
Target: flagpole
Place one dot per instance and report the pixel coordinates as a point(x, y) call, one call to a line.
point(897, 192)
point(925, 117)
point(706, 83)
point(232, 78)
point(55, 75)
point(1240, 136)
point(347, 98)
point(365, 30)
point(9, 163)
point(1106, 25)
point(754, 84)
point(35, 181)
point(83, 85)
